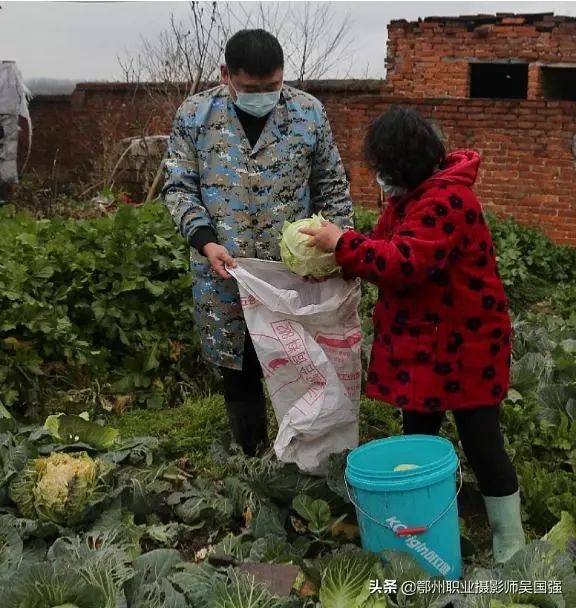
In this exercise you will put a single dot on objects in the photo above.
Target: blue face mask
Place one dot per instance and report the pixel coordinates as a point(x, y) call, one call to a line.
point(388, 188)
point(256, 104)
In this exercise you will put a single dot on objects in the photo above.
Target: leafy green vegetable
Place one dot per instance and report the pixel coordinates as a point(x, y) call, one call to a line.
point(538, 561)
point(273, 549)
point(346, 581)
point(267, 520)
point(241, 591)
point(14, 454)
point(298, 256)
point(196, 582)
point(87, 572)
point(75, 429)
point(202, 504)
point(317, 514)
point(104, 300)
point(11, 549)
point(150, 586)
point(562, 532)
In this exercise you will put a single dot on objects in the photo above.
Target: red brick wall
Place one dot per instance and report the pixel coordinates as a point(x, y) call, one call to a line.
point(431, 58)
point(528, 168)
point(528, 165)
point(74, 135)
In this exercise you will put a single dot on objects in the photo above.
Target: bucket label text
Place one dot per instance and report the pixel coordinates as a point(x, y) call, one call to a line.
point(417, 546)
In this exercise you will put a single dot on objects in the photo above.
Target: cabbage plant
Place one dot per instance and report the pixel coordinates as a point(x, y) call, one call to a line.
point(60, 488)
point(299, 257)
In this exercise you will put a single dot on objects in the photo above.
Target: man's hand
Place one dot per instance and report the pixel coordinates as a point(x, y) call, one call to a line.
point(324, 238)
point(219, 257)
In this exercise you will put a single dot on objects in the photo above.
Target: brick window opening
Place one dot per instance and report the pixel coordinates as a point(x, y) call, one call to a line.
point(499, 80)
point(559, 83)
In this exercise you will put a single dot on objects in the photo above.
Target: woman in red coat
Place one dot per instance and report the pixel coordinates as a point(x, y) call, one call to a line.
point(441, 325)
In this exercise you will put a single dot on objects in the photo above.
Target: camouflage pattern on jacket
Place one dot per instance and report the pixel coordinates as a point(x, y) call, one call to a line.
point(214, 178)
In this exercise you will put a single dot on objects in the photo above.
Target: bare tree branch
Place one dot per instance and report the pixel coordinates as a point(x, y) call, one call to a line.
point(187, 54)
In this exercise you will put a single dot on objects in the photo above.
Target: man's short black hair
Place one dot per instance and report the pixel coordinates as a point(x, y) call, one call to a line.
point(403, 147)
point(256, 52)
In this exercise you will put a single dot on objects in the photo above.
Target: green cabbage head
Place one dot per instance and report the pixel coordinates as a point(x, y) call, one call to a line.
point(299, 257)
point(60, 488)
point(562, 532)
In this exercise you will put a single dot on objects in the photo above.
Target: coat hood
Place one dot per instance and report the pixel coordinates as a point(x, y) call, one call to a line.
point(460, 167)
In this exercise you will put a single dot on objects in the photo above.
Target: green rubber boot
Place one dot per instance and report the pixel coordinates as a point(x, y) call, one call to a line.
point(505, 520)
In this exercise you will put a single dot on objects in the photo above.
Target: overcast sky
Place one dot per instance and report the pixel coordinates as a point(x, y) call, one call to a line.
point(82, 40)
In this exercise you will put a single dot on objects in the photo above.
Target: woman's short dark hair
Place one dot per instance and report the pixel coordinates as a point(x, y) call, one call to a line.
point(256, 52)
point(403, 147)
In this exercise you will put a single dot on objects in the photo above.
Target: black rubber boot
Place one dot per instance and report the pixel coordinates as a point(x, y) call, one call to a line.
point(248, 424)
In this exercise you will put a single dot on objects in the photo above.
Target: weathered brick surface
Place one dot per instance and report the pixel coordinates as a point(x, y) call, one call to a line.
point(430, 58)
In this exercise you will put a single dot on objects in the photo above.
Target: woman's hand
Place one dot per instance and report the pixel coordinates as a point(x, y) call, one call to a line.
point(324, 238)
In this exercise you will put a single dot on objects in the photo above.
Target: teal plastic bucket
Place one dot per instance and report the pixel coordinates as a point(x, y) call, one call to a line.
point(414, 511)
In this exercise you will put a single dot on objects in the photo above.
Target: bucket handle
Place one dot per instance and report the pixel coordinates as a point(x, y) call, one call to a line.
point(416, 529)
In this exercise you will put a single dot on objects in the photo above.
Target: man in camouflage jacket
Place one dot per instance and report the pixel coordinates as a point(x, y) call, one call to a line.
point(243, 158)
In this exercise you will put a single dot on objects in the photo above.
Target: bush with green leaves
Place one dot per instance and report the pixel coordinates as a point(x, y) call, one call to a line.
point(96, 308)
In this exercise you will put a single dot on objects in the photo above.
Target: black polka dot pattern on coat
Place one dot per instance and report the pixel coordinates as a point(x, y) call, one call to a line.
point(488, 372)
point(476, 284)
point(402, 316)
point(488, 302)
point(406, 268)
point(429, 221)
point(448, 228)
point(452, 386)
point(381, 263)
point(403, 377)
point(439, 276)
point(455, 254)
point(471, 216)
point(441, 210)
point(432, 317)
point(455, 342)
point(432, 403)
point(404, 249)
point(443, 369)
point(474, 324)
point(356, 242)
point(369, 255)
point(495, 348)
point(455, 202)
point(439, 254)
point(482, 262)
